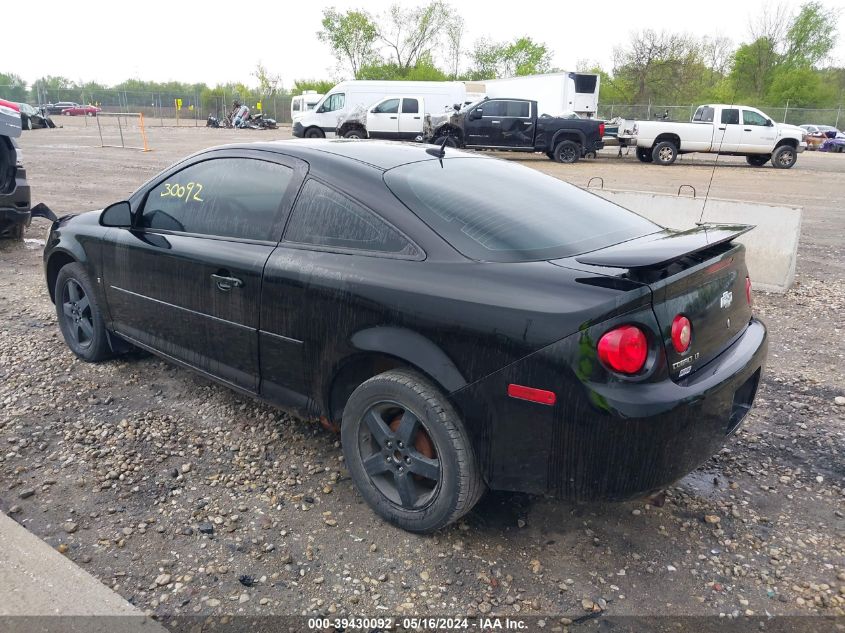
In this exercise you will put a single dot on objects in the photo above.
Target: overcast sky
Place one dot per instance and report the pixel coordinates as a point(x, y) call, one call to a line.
point(205, 42)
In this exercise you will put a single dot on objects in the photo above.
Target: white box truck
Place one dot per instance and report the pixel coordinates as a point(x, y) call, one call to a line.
point(348, 97)
point(556, 94)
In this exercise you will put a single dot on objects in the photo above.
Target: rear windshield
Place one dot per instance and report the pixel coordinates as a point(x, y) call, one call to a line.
point(494, 210)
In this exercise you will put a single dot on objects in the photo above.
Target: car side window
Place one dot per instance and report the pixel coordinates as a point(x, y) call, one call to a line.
point(493, 108)
point(325, 217)
point(391, 106)
point(333, 102)
point(222, 197)
point(750, 117)
point(410, 106)
point(730, 116)
point(704, 114)
point(521, 109)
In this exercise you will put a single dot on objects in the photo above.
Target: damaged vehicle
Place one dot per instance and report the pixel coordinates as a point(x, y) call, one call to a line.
point(32, 118)
point(515, 125)
point(15, 198)
point(573, 348)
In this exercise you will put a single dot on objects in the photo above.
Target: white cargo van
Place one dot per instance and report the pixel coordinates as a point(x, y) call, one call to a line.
point(300, 104)
point(348, 97)
point(555, 93)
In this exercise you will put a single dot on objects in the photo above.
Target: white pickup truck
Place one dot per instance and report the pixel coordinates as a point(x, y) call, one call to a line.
point(717, 129)
point(396, 118)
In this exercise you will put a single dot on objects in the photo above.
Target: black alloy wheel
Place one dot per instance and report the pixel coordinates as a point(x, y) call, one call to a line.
point(399, 456)
point(79, 315)
point(408, 452)
point(76, 309)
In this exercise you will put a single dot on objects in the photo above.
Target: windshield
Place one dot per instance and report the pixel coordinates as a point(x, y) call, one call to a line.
point(494, 210)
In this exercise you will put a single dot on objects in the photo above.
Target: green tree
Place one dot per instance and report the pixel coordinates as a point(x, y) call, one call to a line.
point(522, 56)
point(411, 34)
point(425, 70)
point(351, 36)
point(269, 84)
point(12, 87)
point(321, 86)
point(800, 87)
point(811, 35)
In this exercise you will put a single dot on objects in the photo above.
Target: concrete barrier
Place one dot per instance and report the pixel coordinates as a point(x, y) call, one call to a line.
point(771, 248)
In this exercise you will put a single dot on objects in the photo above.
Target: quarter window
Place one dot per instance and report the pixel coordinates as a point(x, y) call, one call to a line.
point(325, 217)
point(225, 197)
point(391, 106)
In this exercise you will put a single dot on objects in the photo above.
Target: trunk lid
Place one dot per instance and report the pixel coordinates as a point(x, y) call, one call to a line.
point(700, 274)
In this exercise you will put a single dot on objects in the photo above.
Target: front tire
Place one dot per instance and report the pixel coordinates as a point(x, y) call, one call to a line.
point(784, 157)
point(28, 124)
point(567, 152)
point(355, 134)
point(408, 452)
point(644, 155)
point(450, 141)
point(79, 314)
point(664, 153)
point(314, 132)
point(758, 160)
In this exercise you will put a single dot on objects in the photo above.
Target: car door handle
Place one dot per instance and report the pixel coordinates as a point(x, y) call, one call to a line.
point(416, 117)
point(393, 117)
point(496, 122)
point(722, 129)
point(748, 129)
point(225, 283)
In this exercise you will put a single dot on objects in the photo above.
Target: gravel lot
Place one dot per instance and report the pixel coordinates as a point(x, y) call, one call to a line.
point(187, 499)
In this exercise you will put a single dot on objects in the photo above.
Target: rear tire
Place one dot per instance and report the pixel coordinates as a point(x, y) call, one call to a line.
point(758, 160)
point(354, 134)
point(567, 152)
point(784, 157)
point(314, 132)
point(664, 153)
point(644, 155)
point(28, 124)
point(16, 232)
point(408, 452)
point(79, 314)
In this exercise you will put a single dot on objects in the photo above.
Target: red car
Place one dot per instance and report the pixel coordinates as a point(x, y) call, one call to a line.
point(81, 110)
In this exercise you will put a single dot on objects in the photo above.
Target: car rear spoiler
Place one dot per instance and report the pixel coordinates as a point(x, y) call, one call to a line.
point(658, 249)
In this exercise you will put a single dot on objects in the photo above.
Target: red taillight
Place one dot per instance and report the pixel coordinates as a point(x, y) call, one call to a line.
point(530, 393)
point(624, 349)
point(748, 290)
point(601, 130)
point(681, 333)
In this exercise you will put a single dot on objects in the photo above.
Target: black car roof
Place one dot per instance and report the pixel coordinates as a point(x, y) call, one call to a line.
point(382, 155)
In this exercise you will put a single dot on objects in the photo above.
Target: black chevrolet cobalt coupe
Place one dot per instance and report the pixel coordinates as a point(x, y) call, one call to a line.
point(467, 322)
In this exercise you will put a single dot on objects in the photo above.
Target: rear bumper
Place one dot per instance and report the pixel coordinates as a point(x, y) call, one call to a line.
point(609, 441)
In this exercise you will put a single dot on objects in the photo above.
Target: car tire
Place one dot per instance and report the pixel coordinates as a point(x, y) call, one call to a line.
point(419, 487)
point(314, 132)
point(758, 160)
point(590, 155)
point(644, 155)
point(664, 153)
point(16, 232)
point(79, 314)
point(354, 134)
point(450, 141)
point(551, 155)
point(784, 157)
point(28, 124)
point(567, 152)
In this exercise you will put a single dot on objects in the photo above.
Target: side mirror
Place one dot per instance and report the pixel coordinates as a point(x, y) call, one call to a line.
point(118, 215)
point(769, 123)
point(475, 114)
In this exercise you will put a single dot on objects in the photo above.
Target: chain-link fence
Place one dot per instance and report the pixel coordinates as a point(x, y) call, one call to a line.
point(782, 114)
point(164, 108)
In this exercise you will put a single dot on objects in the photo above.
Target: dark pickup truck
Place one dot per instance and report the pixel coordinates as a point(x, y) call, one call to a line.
point(514, 125)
